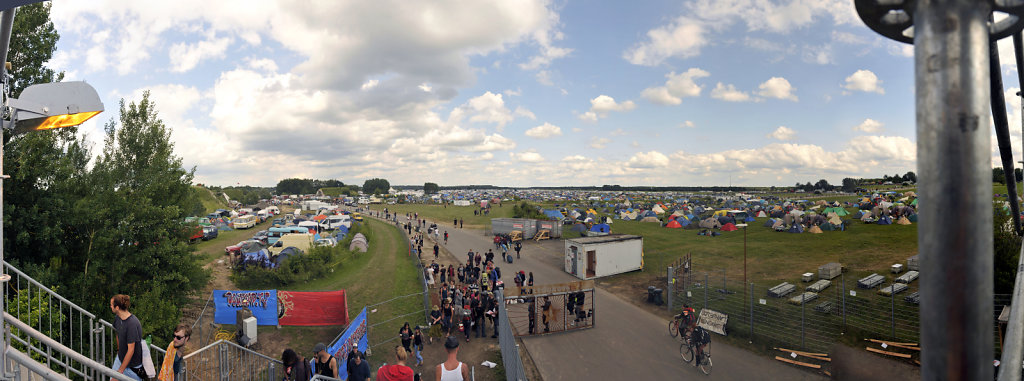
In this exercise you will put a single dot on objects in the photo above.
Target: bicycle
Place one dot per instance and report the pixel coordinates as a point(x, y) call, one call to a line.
point(675, 327)
point(686, 351)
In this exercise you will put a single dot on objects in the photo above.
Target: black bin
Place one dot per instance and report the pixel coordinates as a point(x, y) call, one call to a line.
point(650, 294)
point(658, 300)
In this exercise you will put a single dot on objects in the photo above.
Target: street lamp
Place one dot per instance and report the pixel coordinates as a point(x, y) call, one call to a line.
point(39, 107)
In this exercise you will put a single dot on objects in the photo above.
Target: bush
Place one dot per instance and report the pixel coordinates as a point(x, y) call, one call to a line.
point(524, 210)
point(317, 262)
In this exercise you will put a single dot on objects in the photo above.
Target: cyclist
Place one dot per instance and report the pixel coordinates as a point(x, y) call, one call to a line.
point(700, 339)
point(687, 320)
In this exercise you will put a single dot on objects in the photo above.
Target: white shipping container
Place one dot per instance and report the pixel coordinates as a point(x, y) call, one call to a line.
point(595, 257)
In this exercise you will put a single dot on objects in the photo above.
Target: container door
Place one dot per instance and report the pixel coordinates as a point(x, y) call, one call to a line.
point(591, 263)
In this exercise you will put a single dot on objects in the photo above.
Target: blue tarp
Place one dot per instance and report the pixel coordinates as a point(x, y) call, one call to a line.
point(554, 214)
point(601, 228)
point(262, 303)
point(355, 333)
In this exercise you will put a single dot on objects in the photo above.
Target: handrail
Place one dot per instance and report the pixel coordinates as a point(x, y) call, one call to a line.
point(51, 343)
point(17, 357)
point(222, 341)
point(1013, 351)
point(10, 267)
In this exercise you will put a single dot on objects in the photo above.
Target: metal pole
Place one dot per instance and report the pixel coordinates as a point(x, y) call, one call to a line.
point(705, 290)
point(669, 288)
point(803, 325)
point(6, 28)
point(954, 160)
point(892, 309)
point(1013, 351)
point(751, 337)
point(842, 279)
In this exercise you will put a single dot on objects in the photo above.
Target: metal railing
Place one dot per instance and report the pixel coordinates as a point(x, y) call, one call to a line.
point(57, 355)
point(510, 357)
point(45, 311)
point(227, 361)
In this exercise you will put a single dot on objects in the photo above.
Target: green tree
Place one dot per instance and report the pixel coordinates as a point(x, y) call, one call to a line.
point(33, 41)
point(295, 186)
point(998, 175)
point(910, 176)
point(376, 186)
point(1006, 245)
point(849, 184)
point(430, 188)
point(140, 245)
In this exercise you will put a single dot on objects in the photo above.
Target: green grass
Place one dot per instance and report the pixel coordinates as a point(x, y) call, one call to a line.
point(445, 215)
point(210, 201)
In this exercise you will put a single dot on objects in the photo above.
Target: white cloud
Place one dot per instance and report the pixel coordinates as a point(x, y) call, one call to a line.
point(370, 84)
point(513, 93)
point(617, 132)
point(425, 87)
point(650, 159)
point(488, 108)
point(544, 131)
point(864, 80)
point(869, 126)
point(602, 105)
point(782, 133)
point(777, 87)
point(599, 143)
point(523, 112)
point(688, 124)
point(544, 78)
point(528, 156)
point(185, 57)
point(729, 93)
point(577, 129)
point(678, 86)
point(900, 49)
point(682, 38)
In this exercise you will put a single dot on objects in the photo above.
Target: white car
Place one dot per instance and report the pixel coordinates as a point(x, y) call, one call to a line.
point(326, 242)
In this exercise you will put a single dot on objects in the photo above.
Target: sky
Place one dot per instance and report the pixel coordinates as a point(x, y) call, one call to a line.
point(508, 92)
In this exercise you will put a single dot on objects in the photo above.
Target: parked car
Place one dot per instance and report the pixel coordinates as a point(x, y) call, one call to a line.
point(209, 232)
point(261, 236)
point(246, 246)
point(197, 234)
point(326, 242)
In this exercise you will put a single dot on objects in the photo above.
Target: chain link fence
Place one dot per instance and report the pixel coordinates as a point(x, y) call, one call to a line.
point(796, 316)
point(511, 358)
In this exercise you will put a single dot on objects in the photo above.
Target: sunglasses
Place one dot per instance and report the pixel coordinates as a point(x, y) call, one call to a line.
point(180, 337)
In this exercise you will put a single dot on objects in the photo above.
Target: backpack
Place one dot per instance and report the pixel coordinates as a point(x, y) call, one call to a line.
point(701, 336)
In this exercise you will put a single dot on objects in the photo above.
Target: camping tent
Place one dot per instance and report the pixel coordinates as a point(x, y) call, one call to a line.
point(729, 227)
point(601, 228)
point(359, 243)
point(814, 230)
point(903, 221)
point(650, 219)
point(673, 224)
point(796, 228)
point(761, 214)
point(710, 223)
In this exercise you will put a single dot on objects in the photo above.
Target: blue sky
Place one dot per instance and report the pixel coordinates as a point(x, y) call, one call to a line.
point(513, 93)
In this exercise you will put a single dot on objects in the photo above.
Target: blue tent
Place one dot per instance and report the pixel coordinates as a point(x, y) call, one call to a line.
point(554, 214)
point(749, 219)
point(648, 213)
point(682, 221)
point(884, 220)
point(769, 223)
point(797, 228)
point(601, 228)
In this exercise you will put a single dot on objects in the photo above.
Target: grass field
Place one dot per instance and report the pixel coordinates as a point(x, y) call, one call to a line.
point(447, 214)
point(209, 200)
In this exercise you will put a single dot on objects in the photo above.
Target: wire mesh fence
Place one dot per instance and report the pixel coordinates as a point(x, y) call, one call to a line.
point(809, 315)
point(510, 357)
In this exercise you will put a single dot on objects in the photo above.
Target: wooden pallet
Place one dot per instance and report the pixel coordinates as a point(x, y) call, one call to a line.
point(542, 235)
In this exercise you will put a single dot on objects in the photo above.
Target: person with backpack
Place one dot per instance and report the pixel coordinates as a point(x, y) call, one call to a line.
point(519, 246)
point(700, 340)
point(295, 367)
point(687, 320)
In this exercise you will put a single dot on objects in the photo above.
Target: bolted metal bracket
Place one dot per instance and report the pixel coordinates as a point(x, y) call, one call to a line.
point(895, 18)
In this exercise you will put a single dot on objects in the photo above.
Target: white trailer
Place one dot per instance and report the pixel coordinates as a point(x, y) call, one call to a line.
point(595, 257)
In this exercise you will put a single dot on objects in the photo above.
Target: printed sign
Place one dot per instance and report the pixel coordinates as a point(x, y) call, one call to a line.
point(355, 333)
point(262, 303)
point(545, 226)
point(713, 321)
point(312, 308)
point(517, 226)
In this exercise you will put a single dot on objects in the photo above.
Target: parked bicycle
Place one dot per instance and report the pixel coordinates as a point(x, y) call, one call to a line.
point(698, 345)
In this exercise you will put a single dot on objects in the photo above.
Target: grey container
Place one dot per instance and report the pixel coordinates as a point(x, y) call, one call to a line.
point(803, 298)
point(871, 281)
point(554, 228)
point(913, 264)
point(908, 277)
point(819, 285)
point(891, 289)
point(507, 225)
point(830, 270)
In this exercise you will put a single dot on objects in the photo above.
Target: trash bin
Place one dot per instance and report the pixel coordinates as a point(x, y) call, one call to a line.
point(658, 300)
point(650, 294)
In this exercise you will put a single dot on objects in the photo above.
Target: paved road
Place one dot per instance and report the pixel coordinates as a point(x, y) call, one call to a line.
point(627, 343)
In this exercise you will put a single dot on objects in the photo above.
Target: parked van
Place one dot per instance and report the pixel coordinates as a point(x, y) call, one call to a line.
point(244, 222)
point(302, 241)
point(333, 222)
point(276, 233)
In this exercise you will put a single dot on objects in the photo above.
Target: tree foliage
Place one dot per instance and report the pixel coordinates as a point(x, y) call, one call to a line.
point(33, 41)
point(1006, 245)
point(430, 188)
point(998, 175)
point(305, 186)
point(376, 186)
point(525, 210)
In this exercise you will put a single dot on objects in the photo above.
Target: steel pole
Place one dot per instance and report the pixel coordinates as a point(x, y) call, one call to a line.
point(6, 28)
point(954, 162)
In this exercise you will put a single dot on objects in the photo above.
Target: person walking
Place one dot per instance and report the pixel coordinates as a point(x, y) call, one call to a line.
point(397, 371)
point(460, 223)
point(295, 367)
point(170, 369)
point(405, 334)
point(445, 237)
point(519, 246)
point(129, 338)
point(417, 345)
point(451, 369)
point(324, 363)
point(357, 364)
point(436, 250)
point(435, 324)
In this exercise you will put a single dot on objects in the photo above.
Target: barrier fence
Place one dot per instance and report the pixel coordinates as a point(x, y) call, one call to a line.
point(510, 357)
point(551, 308)
point(807, 321)
point(225, 360)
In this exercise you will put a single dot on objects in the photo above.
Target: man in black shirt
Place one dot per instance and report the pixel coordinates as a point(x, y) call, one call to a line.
point(129, 338)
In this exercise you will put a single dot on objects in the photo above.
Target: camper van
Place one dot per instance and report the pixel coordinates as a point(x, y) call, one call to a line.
point(244, 222)
point(333, 222)
point(276, 233)
point(302, 241)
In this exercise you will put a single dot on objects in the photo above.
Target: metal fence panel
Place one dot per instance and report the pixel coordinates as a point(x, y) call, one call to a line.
point(510, 358)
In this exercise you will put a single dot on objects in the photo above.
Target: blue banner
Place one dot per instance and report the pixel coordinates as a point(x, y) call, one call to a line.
point(262, 303)
point(355, 333)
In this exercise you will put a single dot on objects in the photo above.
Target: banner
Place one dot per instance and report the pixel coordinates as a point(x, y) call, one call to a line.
point(312, 308)
point(262, 303)
point(355, 333)
point(713, 321)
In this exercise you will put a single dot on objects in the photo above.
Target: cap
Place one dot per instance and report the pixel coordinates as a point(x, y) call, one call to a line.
point(451, 342)
point(355, 345)
point(319, 347)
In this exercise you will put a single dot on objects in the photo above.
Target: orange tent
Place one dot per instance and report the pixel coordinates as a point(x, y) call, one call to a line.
point(319, 217)
point(729, 227)
point(673, 225)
